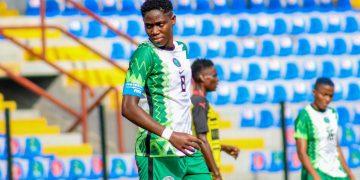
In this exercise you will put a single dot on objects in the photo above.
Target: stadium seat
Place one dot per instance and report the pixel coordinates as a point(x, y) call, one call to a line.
point(338, 94)
point(108, 7)
point(256, 6)
point(356, 120)
point(289, 118)
point(244, 27)
point(223, 95)
point(183, 6)
point(316, 25)
point(32, 7)
point(303, 46)
point(292, 70)
point(344, 115)
point(328, 69)
point(69, 10)
point(237, 6)
point(52, 8)
point(354, 156)
point(274, 6)
point(231, 49)
point(258, 162)
point(294, 162)
point(128, 7)
point(76, 28)
point(207, 27)
point(298, 25)
point(219, 6)
point(348, 136)
point(118, 51)
point(134, 27)
point(195, 49)
point(236, 72)
point(286, 46)
point(266, 119)
point(94, 29)
point(261, 94)
point(300, 93)
point(280, 26)
point(189, 27)
point(273, 70)
point(334, 24)
point(267, 48)
point(343, 5)
point(116, 24)
point(247, 118)
point(325, 5)
point(92, 5)
point(279, 94)
point(321, 46)
point(353, 92)
point(248, 47)
point(308, 5)
point(254, 72)
point(226, 27)
point(213, 49)
point(339, 46)
point(242, 95)
point(310, 69)
point(346, 68)
point(220, 72)
point(355, 49)
point(262, 26)
point(291, 6)
point(351, 24)
point(358, 68)
point(202, 6)
point(276, 163)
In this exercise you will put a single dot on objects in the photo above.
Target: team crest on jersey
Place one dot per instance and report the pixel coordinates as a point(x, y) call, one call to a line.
point(176, 62)
point(326, 120)
point(168, 178)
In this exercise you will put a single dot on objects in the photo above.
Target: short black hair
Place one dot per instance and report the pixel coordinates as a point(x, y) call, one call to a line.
point(162, 5)
point(199, 65)
point(323, 81)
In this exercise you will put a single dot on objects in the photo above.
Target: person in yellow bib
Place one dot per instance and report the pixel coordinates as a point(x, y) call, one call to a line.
point(205, 118)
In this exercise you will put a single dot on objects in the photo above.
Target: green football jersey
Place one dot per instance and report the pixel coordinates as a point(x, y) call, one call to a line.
point(320, 131)
point(164, 78)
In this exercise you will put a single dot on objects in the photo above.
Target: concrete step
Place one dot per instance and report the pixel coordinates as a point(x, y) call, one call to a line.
point(69, 151)
point(63, 139)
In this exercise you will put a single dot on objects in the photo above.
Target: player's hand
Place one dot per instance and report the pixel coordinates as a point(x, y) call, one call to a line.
point(185, 143)
point(217, 176)
point(231, 150)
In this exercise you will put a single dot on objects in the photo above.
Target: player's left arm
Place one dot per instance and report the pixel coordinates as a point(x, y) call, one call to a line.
point(344, 164)
point(231, 150)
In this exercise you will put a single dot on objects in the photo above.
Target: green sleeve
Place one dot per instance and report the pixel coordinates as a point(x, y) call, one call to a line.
point(184, 48)
point(302, 125)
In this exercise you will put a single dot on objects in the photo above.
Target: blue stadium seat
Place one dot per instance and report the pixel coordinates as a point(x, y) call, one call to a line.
point(346, 69)
point(351, 25)
point(247, 118)
point(76, 28)
point(280, 26)
point(52, 8)
point(355, 47)
point(32, 7)
point(294, 163)
point(343, 5)
point(266, 119)
point(244, 27)
point(316, 25)
point(358, 73)
point(236, 72)
point(207, 27)
point(348, 136)
point(254, 72)
point(242, 95)
point(177, 29)
point(353, 92)
point(213, 49)
point(291, 6)
point(195, 49)
point(237, 6)
point(92, 5)
point(309, 5)
point(321, 46)
point(202, 6)
point(223, 95)
point(109, 7)
point(69, 10)
point(344, 115)
point(286, 46)
point(279, 94)
point(134, 27)
point(339, 46)
point(183, 6)
point(258, 162)
point(354, 156)
point(94, 29)
point(219, 6)
point(274, 6)
point(189, 27)
point(267, 48)
point(325, 5)
point(292, 70)
point(128, 7)
point(116, 24)
point(261, 94)
point(262, 26)
point(226, 27)
point(338, 94)
point(310, 70)
point(334, 24)
point(220, 72)
point(231, 49)
point(248, 47)
point(298, 25)
point(119, 51)
point(256, 6)
point(277, 162)
point(304, 47)
point(356, 120)
point(300, 93)
point(328, 69)
point(273, 70)
point(289, 118)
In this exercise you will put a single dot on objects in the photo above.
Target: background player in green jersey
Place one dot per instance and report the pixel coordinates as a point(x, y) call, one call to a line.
point(206, 120)
point(160, 70)
point(316, 137)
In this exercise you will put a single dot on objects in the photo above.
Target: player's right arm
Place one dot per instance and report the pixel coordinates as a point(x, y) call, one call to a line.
point(139, 69)
point(301, 135)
